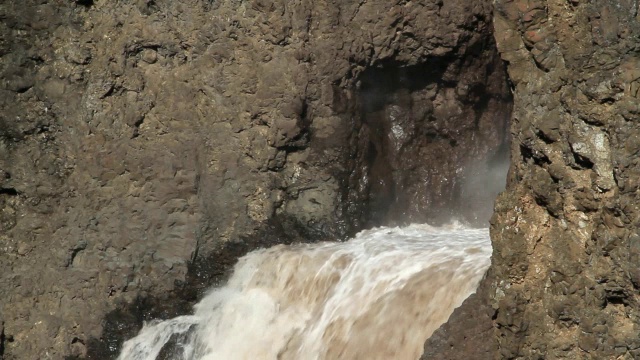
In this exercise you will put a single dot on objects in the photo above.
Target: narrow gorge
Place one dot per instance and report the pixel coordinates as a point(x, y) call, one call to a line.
point(147, 145)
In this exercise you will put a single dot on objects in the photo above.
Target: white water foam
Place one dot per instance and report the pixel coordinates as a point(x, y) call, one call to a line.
point(377, 296)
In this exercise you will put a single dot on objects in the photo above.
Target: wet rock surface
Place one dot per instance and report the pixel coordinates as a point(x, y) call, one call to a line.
point(426, 140)
point(564, 279)
point(145, 145)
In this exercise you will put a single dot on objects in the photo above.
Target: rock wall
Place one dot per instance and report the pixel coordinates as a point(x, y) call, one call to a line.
point(564, 278)
point(145, 145)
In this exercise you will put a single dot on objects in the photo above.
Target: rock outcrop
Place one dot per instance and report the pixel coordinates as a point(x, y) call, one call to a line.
point(564, 278)
point(145, 145)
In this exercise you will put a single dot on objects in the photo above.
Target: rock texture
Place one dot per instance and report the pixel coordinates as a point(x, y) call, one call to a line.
point(564, 279)
point(144, 145)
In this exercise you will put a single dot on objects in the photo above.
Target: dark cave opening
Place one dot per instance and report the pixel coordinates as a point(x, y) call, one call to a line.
point(85, 3)
point(431, 141)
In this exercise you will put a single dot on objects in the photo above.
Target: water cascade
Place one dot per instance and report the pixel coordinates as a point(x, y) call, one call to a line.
point(376, 296)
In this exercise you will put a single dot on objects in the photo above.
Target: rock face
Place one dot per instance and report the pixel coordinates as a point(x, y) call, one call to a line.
point(564, 279)
point(147, 144)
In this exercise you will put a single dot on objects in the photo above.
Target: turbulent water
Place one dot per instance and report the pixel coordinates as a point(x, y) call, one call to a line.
point(377, 296)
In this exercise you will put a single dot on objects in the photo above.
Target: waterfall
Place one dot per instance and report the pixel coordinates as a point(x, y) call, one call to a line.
point(379, 295)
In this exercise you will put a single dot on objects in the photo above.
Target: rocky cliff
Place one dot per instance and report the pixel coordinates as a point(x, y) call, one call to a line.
point(145, 145)
point(564, 279)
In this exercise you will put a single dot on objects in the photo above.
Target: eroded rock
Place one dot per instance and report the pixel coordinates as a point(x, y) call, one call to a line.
point(563, 283)
point(145, 145)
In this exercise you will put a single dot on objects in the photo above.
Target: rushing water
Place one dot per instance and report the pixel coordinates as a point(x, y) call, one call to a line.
point(377, 296)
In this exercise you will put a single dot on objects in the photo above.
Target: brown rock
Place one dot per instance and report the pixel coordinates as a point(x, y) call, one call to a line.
point(588, 144)
point(149, 144)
